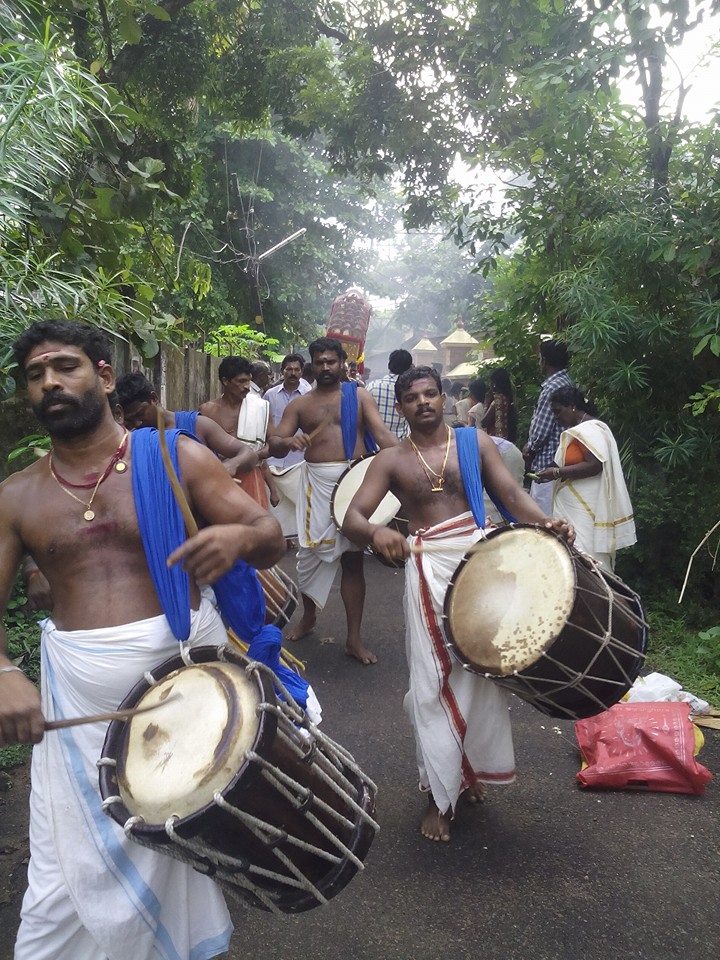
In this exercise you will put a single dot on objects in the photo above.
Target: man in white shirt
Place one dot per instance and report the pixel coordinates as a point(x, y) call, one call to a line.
point(285, 479)
point(383, 392)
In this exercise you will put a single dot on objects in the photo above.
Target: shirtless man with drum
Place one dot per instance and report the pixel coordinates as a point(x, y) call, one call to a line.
point(461, 721)
point(321, 415)
point(74, 513)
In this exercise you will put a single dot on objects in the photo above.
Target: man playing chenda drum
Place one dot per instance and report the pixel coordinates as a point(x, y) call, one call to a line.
point(340, 414)
point(92, 894)
point(461, 721)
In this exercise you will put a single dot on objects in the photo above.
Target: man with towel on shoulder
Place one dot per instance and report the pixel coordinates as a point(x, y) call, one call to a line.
point(140, 403)
point(98, 517)
point(461, 721)
point(339, 416)
point(242, 412)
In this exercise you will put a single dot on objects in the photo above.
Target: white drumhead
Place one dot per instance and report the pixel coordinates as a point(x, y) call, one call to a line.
point(179, 755)
point(348, 486)
point(511, 599)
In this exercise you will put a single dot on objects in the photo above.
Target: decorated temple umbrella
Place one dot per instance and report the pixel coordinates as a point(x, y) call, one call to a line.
point(349, 321)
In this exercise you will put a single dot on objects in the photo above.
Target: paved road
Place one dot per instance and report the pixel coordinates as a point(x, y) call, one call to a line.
point(542, 871)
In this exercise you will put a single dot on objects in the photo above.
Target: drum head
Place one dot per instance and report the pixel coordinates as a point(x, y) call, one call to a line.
point(349, 484)
point(178, 756)
point(509, 599)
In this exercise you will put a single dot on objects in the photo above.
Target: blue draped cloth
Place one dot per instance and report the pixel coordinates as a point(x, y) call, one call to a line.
point(239, 594)
point(468, 451)
point(349, 404)
point(186, 421)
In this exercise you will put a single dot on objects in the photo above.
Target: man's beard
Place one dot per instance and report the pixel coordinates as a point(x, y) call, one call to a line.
point(78, 416)
point(327, 379)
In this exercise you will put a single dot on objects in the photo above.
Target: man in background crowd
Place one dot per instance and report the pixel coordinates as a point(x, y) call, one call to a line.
point(544, 437)
point(285, 479)
point(383, 392)
point(261, 373)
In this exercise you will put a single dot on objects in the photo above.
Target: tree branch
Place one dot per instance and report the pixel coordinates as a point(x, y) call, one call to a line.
point(107, 33)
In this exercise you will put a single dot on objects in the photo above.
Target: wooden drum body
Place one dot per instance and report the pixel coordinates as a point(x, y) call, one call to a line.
point(237, 783)
point(546, 622)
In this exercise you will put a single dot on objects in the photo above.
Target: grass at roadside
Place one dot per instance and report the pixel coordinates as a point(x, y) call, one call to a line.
point(686, 649)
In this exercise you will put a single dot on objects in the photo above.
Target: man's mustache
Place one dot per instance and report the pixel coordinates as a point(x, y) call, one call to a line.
point(51, 399)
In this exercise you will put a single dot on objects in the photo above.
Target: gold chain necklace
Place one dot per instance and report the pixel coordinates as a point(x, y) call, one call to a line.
point(89, 513)
point(436, 486)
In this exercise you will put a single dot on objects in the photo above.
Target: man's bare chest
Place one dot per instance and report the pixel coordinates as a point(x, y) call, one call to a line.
point(57, 533)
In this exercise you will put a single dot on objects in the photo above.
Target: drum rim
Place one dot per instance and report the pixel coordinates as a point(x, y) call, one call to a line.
point(117, 734)
point(452, 643)
point(351, 466)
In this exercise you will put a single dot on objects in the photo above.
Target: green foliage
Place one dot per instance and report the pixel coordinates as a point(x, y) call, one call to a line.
point(242, 340)
point(28, 449)
point(688, 655)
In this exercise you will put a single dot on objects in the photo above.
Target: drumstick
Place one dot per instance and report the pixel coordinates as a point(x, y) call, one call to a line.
point(110, 715)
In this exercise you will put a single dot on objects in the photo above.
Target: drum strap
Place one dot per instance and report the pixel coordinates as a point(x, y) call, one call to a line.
point(162, 530)
point(468, 451)
point(348, 421)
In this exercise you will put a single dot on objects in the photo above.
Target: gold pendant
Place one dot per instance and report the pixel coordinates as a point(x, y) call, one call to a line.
point(89, 515)
point(121, 466)
point(438, 488)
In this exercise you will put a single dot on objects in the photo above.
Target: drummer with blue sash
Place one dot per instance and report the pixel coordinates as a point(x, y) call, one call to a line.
point(337, 424)
point(461, 720)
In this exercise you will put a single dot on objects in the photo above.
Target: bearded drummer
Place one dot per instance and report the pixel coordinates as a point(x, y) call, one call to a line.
point(461, 721)
point(339, 417)
point(93, 894)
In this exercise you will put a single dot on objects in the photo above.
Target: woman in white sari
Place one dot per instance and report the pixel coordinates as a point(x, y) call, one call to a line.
point(590, 490)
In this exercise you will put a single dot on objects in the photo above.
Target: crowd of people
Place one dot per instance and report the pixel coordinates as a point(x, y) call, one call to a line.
point(261, 481)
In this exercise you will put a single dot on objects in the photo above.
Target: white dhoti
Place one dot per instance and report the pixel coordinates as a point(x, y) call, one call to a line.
point(287, 482)
point(461, 721)
point(92, 893)
point(320, 542)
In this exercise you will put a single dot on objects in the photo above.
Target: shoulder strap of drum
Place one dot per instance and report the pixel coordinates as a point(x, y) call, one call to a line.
point(468, 450)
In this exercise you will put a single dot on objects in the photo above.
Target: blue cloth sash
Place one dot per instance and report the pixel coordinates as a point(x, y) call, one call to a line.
point(468, 451)
point(239, 594)
point(186, 421)
point(349, 405)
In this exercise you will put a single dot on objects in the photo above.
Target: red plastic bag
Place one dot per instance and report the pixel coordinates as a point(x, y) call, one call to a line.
point(641, 746)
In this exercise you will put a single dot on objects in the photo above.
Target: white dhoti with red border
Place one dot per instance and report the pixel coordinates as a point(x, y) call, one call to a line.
point(461, 720)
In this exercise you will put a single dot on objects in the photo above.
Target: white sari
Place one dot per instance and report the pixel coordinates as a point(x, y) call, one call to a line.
point(598, 507)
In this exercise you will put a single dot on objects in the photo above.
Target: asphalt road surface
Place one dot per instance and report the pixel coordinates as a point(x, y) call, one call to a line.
point(542, 871)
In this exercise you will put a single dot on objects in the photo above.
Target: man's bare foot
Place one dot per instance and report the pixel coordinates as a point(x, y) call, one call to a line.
point(477, 793)
point(361, 653)
point(435, 825)
point(305, 627)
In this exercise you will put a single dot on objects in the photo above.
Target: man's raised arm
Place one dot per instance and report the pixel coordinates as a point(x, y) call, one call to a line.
point(238, 456)
point(239, 528)
point(508, 491)
point(21, 719)
point(357, 526)
point(282, 439)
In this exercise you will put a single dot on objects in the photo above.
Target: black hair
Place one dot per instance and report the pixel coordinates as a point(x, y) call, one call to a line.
point(456, 389)
point(233, 366)
point(478, 389)
point(399, 361)
point(323, 344)
point(133, 388)
point(500, 382)
point(91, 340)
point(446, 384)
point(261, 366)
point(405, 380)
point(555, 354)
point(572, 397)
point(308, 371)
point(293, 358)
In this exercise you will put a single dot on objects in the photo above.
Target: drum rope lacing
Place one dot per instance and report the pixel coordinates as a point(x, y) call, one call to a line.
point(608, 644)
point(295, 729)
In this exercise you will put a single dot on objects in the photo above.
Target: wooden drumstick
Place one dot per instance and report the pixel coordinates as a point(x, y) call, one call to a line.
point(321, 426)
point(109, 715)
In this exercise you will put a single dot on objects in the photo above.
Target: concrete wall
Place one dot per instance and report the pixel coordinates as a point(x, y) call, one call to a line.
point(184, 379)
